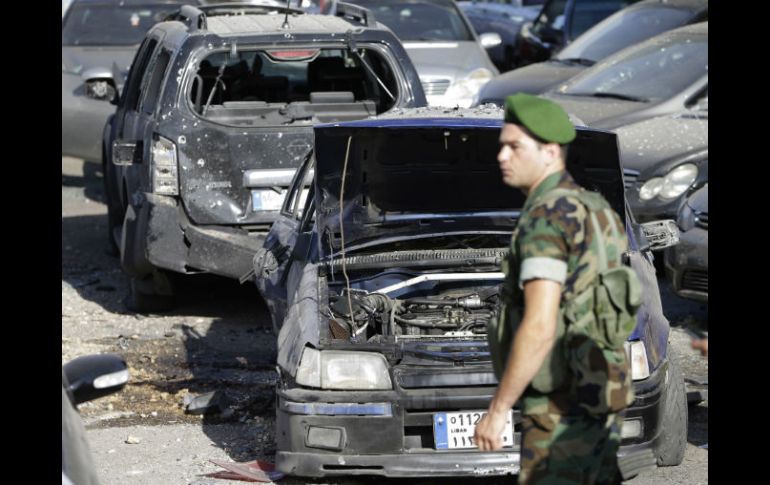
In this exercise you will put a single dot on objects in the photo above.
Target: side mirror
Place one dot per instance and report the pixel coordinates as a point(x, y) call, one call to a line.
point(94, 376)
point(550, 35)
point(490, 39)
point(100, 85)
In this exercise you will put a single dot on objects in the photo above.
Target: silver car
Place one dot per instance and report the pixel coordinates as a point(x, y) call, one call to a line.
point(449, 56)
point(99, 40)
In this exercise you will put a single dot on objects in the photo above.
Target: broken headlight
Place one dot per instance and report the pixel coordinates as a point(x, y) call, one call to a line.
point(637, 355)
point(343, 370)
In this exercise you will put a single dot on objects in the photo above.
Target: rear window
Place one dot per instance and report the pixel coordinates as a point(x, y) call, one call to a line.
point(301, 85)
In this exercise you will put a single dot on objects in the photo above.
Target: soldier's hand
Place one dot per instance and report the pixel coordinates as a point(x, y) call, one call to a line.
point(489, 431)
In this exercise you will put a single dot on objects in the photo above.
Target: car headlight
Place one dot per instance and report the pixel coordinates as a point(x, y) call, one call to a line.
point(674, 184)
point(463, 91)
point(637, 355)
point(678, 181)
point(165, 178)
point(343, 370)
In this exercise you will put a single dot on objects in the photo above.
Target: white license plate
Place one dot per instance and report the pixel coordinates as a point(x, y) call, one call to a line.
point(267, 199)
point(455, 430)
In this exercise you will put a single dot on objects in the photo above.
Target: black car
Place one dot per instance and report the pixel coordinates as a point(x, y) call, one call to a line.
point(663, 75)
point(626, 27)
point(381, 281)
point(665, 160)
point(687, 263)
point(558, 24)
point(216, 115)
point(84, 379)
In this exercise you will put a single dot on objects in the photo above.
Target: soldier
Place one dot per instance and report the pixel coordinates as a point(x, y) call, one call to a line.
point(565, 237)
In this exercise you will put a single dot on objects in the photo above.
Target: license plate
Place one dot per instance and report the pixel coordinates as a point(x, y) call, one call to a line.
point(267, 199)
point(455, 430)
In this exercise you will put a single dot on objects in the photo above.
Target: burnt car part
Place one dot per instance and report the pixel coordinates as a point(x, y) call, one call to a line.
point(661, 234)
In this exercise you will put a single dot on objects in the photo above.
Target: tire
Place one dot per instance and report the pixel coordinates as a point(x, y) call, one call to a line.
point(114, 215)
point(152, 294)
point(673, 439)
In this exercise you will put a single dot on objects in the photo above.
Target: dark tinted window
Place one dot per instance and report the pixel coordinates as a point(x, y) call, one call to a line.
point(87, 24)
point(588, 13)
point(623, 29)
point(420, 20)
point(552, 16)
point(153, 87)
point(131, 93)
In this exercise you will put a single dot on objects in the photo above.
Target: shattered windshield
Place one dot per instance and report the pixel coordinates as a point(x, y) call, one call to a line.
point(293, 85)
point(88, 24)
point(657, 71)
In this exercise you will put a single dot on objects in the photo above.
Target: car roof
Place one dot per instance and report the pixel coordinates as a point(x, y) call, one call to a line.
point(251, 24)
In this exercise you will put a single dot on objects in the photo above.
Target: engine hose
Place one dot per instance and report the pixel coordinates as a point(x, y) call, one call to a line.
point(424, 323)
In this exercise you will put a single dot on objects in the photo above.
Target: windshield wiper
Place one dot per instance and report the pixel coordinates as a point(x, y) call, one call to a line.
point(601, 94)
point(575, 60)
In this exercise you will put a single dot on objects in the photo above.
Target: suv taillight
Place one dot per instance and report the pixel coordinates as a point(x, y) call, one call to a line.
point(165, 178)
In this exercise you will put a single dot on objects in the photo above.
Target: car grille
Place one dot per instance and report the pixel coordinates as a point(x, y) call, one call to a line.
point(435, 87)
point(629, 177)
point(696, 280)
point(702, 220)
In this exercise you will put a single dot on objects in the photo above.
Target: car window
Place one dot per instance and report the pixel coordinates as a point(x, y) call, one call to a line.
point(588, 13)
point(414, 20)
point(300, 85)
point(654, 71)
point(152, 88)
point(130, 97)
point(110, 23)
point(623, 29)
point(552, 16)
point(297, 194)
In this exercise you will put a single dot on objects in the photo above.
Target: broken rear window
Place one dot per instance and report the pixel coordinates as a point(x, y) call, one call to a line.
point(299, 85)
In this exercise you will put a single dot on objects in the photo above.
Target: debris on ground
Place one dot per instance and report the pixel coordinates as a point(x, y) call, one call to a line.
point(133, 440)
point(210, 402)
point(252, 471)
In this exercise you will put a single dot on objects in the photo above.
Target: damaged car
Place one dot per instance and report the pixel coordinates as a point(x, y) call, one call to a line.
point(216, 115)
point(381, 273)
point(687, 263)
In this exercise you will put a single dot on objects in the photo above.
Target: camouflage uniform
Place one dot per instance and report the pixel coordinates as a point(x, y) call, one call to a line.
point(561, 441)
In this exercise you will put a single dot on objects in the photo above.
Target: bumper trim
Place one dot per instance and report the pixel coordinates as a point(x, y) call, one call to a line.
point(327, 409)
point(399, 465)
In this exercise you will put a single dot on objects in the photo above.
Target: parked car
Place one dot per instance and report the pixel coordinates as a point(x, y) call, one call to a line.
point(216, 115)
point(99, 39)
point(626, 27)
point(662, 75)
point(84, 379)
point(559, 23)
point(450, 58)
point(504, 17)
point(687, 263)
point(381, 281)
point(665, 160)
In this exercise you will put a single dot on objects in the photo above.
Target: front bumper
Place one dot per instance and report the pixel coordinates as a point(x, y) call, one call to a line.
point(312, 441)
point(163, 236)
point(687, 264)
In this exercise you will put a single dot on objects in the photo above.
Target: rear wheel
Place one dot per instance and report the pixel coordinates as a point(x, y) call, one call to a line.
point(674, 423)
point(151, 294)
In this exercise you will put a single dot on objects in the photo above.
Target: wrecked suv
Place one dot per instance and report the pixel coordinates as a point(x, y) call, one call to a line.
point(380, 282)
point(215, 117)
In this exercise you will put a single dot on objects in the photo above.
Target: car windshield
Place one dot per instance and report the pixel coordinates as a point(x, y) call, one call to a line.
point(655, 70)
point(623, 29)
point(414, 20)
point(88, 24)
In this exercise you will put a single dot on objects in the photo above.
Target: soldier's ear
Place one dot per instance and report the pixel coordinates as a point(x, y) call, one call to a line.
point(554, 152)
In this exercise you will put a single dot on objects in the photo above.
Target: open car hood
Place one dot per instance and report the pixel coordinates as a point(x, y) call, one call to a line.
point(423, 175)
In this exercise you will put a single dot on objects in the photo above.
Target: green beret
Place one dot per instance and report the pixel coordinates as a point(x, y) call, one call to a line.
point(542, 117)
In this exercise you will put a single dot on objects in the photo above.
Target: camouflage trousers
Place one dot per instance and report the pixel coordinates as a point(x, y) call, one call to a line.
point(562, 450)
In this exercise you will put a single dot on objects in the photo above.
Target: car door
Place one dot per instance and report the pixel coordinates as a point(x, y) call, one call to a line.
point(279, 263)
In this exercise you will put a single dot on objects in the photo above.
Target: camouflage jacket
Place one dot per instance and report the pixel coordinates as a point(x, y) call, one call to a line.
point(552, 242)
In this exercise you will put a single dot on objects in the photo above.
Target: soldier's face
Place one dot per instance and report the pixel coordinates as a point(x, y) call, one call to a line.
point(523, 161)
